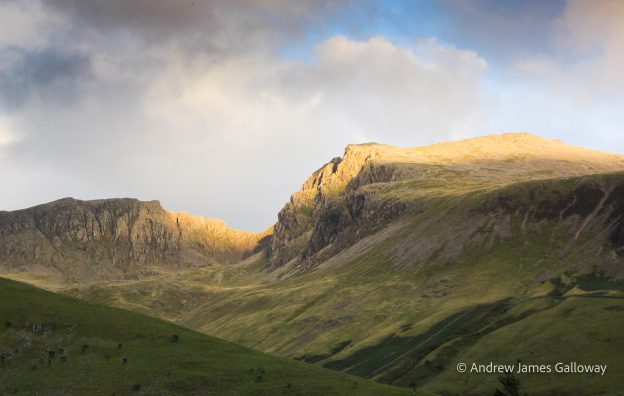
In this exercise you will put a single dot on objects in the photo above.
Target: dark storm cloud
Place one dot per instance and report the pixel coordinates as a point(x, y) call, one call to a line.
point(49, 74)
point(201, 24)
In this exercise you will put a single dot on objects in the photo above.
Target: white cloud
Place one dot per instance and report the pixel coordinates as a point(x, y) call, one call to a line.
point(6, 136)
point(234, 138)
point(25, 24)
point(576, 92)
point(386, 92)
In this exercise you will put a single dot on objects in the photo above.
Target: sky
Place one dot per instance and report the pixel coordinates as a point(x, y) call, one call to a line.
point(224, 108)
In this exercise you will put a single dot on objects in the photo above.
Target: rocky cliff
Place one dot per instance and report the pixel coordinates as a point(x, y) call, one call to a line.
point(113, 238)
point(373, 184)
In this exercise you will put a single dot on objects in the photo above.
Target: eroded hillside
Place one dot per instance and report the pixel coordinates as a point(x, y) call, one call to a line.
point(72, 240)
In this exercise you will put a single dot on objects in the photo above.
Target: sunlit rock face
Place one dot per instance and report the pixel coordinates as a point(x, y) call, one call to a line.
point(347, 199)
point(372, 184)
point(114, 238)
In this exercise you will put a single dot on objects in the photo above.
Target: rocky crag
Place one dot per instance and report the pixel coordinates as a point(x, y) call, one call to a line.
point(112, 239)
point(373, 184)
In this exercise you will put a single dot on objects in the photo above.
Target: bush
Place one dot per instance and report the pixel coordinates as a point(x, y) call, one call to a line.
point(511, 385)
point(136, 387)
point(260, 372)
point(175, 338)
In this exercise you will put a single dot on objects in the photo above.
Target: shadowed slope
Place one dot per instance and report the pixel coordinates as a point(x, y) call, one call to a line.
point(52, 344)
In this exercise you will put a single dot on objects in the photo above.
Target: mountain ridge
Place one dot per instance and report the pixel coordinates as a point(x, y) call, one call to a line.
point(373, 261)
point(114, 238)
point(343, 201)
point(357, 186)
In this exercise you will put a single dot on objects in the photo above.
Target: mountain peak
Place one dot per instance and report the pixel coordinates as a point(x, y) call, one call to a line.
point(503, 149)
point(373, 174)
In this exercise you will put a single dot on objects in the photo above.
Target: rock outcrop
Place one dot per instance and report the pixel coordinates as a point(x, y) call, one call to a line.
point(330, 202)
point(113, 238)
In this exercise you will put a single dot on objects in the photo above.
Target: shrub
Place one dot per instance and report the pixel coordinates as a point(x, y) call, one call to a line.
point(260, 372)
point(511, 385)
point(175, 338)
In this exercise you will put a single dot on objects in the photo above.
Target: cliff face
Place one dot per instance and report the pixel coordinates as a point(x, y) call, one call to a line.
point(114, 238)
point(373, 184)
point(329, 202)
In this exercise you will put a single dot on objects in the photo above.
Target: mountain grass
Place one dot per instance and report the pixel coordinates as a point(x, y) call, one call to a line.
point(586, 330)
point(450, 281)
point(52, 344)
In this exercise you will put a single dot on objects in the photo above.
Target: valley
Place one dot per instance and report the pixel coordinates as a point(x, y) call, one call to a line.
point(389, 264)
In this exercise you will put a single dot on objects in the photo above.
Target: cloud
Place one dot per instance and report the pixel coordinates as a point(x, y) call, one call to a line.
point(47, 74)
point(576, 91)
point(234, 137)
point(389, 92)
point(5, 134)
point(219, 26)
point(595, 30)
point(195, 103)
point(25, 24)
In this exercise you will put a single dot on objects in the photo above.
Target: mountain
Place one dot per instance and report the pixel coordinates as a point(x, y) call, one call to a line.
point(73, 240)
point(56, 345)
point(399, 263)
point(373, 184)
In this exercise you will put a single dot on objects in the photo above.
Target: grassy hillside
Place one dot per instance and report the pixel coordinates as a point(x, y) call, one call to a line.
point(406, 303)
point(585, 329)
point(395, 264)
point(52, 345)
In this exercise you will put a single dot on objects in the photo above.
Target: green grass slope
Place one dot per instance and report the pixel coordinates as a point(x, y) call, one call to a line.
point(404, 305)
point(56, 345)
point(583, 329)
point(395, 264)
